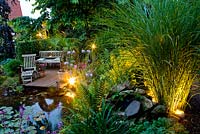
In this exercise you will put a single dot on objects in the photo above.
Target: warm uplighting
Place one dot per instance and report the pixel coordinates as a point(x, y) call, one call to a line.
point(42, 34)
point(154, 100)
point(94, 46)
point(39, 35)
point(179, 113)
point(72, 80)
point(70, 94)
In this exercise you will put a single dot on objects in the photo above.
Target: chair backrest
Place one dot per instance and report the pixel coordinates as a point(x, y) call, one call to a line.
point(29, 61)
point(50, 54)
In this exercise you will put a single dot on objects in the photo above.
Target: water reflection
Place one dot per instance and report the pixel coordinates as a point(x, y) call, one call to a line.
point(45, 109)
point(52, 114)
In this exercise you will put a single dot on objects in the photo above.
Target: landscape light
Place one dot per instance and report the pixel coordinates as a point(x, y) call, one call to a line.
point(94, 46)
point(72, 80)
point(39, 35)
point(179, 113)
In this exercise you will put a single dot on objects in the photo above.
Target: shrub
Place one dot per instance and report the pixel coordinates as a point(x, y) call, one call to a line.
point(31, 47)
point(11, 67)
point(2, 79)
point(11, 83)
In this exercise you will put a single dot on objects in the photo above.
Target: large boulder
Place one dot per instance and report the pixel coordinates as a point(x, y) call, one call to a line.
point(133, 108)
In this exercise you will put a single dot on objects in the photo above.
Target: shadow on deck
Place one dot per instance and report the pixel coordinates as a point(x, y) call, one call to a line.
point(50, 80)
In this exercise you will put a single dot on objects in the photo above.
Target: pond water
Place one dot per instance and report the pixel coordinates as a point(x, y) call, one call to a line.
point(45, 108)
point(52, 117)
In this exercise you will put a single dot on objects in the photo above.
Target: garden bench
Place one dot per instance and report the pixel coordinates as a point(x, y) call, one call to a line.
point(50, 57)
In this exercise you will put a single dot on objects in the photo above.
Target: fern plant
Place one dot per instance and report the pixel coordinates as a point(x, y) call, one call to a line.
point(97, 122)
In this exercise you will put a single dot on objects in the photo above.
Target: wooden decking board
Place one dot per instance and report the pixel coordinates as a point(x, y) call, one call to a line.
point(49, 80)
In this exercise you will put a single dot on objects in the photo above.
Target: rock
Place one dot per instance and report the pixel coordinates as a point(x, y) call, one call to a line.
point(125, 92)
point(147, 103)
point(195, 103)
point(120, 87)
point(140, 91)
point(132, 109)
point(121, 114)
point(159, 109)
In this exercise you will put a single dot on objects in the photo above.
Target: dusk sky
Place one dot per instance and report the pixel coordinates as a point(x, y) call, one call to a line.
point(27, 7)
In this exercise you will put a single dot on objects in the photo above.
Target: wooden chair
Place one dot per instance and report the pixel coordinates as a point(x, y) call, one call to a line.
point(28, 70)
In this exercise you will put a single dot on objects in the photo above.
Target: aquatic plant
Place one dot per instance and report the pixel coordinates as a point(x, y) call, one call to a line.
point(15, 122)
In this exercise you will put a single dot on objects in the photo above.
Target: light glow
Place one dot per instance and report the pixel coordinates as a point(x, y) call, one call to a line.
point(72, 80)
point(94, 46)
point(179, 113)
point(39, 35)
point(154, 100)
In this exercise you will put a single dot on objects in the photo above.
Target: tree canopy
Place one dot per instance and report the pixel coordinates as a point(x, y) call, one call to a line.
point(6, 41)
point(71, 18)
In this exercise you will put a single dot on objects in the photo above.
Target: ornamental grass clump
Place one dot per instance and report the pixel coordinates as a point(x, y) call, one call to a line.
point(163, 36)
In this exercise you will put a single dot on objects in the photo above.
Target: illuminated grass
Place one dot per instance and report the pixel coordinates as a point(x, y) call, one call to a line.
point(163, 42)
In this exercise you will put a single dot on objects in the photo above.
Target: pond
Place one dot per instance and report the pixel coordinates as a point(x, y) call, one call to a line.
point(44, 108)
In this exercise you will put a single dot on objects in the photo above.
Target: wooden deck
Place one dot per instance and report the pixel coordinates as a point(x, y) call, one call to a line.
point(49, 80)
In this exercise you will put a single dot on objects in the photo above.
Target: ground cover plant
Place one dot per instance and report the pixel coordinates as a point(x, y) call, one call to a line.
point(159, 126)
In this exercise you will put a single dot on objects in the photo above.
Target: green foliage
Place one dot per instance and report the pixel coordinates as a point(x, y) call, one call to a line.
point(71, 18)
point(18, 89)
point(11, 67)
point(29, 47)
point(123, 67)
point(2, 79)
point(11, 83)
point(14, 122)
point(24, 27)
point(96, 122)
point(159, 126)
point(1, 69)
point(34, 46)
point(90, 96)
point(161, 38)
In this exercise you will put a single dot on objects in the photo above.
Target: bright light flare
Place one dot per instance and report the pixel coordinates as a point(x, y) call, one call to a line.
point(72, 80)
point(179, 113)
point(39, 35)
point(94, 46)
